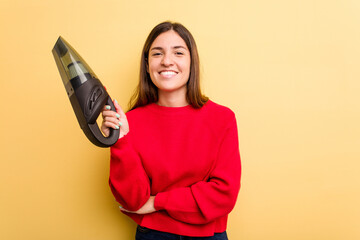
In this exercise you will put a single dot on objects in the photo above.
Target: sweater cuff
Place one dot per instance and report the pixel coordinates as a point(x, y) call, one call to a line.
point(160, 201)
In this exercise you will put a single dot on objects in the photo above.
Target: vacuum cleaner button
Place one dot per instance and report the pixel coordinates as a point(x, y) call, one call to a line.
point(94, 97)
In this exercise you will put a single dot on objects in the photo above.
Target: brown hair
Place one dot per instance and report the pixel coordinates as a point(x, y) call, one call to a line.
point(146, 92)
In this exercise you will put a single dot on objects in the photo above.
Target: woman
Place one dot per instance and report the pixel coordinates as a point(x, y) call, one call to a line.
point(175, 169)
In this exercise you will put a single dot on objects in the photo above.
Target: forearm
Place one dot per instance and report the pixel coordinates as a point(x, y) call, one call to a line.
point(199, 204)
point(147, 208)
point(128, 180)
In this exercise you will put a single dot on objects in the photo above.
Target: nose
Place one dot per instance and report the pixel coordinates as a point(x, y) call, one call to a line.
point(167, 60)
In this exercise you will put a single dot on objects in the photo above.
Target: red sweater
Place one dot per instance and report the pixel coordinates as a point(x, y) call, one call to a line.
point(187, 158)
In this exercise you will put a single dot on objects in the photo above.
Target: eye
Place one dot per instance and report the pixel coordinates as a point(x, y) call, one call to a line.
point(179, 53)
point(156, 54)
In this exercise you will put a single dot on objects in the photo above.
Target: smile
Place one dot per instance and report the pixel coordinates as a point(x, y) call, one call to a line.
point(168, 74)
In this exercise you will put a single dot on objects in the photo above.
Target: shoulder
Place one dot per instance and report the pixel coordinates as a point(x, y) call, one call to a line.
point(138, 112)
point(220, 116)
point(218, 110)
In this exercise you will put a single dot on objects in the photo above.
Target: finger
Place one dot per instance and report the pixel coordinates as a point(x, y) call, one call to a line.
point(113, 125)
point(109, 108)
point(118, 108)
point(111, 119)
point(106, 108)
point(108, 113)
point(124, 210)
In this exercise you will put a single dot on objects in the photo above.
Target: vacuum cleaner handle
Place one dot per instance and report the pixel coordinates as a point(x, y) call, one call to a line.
point(94, 134)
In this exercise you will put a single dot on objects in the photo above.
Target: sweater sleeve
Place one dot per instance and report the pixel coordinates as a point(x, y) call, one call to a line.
point(206, 201)
point(128, 180)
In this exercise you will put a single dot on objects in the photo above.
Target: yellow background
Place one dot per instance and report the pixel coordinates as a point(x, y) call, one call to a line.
point(289, 69)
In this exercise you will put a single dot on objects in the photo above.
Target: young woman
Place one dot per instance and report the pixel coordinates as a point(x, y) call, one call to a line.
point(175, 169)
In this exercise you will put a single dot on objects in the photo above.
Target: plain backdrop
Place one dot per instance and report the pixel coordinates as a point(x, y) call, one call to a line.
point(288, 69)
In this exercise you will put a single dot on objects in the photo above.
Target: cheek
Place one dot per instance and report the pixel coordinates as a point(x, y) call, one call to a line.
point(152, 73)
point(186, 67)
point(153, 65)
point(187, 64)
point(151, 68)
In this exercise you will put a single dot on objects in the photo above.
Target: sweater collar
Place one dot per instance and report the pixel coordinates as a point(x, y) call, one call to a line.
point(188, 109)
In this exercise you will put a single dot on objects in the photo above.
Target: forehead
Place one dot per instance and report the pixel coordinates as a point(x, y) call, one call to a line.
point(168, 39)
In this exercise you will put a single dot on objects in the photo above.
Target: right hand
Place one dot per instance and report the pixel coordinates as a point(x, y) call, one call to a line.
point(114, 120)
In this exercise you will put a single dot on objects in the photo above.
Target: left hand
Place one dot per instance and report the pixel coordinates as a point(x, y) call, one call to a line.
point(147, 208)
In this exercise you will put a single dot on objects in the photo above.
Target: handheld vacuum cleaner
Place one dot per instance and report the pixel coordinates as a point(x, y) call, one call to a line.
point(85, 91)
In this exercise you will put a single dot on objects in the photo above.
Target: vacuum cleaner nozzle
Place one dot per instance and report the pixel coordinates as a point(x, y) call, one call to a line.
point(85, 91)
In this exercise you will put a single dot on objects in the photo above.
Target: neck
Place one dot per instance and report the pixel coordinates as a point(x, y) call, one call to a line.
point(170, 99)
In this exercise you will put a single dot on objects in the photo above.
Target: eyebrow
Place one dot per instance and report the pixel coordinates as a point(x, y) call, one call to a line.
point(160, 48)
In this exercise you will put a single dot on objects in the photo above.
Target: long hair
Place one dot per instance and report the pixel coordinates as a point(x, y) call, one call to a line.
point(146, 92)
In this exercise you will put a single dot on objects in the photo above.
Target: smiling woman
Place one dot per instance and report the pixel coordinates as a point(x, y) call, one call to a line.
point(169, 68)
point(146, 91)
point(171, 171)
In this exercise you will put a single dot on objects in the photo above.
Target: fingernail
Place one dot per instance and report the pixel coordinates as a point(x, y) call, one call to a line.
point(117, 127)
point(115, 101)
point(108, 107)
point(117, 115)
point(120, 124)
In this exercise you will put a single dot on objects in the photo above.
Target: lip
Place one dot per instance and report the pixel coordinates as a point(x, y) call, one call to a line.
point(168, 73)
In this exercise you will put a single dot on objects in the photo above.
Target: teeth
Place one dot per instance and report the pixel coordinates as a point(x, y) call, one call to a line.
point(168, 73)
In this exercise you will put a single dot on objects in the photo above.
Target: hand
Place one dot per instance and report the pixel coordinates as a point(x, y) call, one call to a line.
point(115, 120)
point(146, 209)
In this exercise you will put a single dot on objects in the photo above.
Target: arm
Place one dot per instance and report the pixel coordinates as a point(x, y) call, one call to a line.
point(128, 180)
point(147, 208)
point(205, 201)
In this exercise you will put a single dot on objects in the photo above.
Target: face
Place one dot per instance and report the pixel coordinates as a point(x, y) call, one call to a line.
point(169, 63)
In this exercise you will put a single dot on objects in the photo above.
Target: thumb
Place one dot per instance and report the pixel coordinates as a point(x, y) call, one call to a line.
point(119, 109)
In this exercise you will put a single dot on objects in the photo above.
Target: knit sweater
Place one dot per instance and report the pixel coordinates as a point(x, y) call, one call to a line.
point(187, 158)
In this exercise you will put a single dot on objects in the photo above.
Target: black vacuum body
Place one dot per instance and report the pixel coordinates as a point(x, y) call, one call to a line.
point(86, 93)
